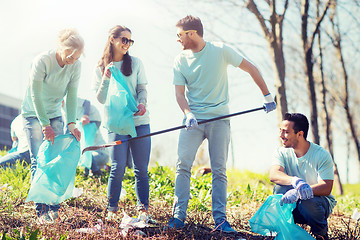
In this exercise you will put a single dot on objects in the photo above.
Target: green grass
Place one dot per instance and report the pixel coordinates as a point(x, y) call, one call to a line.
point(17, 182)
point(246, 192)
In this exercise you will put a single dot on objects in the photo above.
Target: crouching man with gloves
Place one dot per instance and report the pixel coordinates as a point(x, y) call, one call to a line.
point(303, 172)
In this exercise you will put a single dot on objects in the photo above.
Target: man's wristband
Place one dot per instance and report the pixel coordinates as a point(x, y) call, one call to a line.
point(268, 98)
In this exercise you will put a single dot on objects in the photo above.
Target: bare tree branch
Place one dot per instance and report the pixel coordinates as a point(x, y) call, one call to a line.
point(319, 22)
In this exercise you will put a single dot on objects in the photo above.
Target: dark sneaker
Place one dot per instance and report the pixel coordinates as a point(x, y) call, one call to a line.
point(175, 223)
point(225, 227)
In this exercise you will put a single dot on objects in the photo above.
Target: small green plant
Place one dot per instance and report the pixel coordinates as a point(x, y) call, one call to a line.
point(16, 184)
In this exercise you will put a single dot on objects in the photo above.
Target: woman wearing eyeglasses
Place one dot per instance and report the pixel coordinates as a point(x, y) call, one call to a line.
point(116, 54)
point(54, 74)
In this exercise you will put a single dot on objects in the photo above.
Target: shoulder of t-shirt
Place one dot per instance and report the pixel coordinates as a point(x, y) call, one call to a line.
point(183, 54)
point(135, 59)
point(216, 44)
point(318, 149)
point(45, 56)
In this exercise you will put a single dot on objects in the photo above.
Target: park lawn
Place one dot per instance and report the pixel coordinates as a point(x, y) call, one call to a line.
point(246, 193)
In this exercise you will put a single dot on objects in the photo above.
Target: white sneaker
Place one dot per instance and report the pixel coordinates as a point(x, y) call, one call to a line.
point(44, 219)
point(54, 215)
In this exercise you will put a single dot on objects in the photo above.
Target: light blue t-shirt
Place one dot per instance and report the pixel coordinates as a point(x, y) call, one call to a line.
point(54, 83)
point(137, 77)
point(314, 166)
point(17, 130)
point(204, 74)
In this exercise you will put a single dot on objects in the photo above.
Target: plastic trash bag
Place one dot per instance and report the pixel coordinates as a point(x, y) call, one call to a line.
point(356, 215)
point(14, 147)
point(95, 229)
point(120, 106)
point(272, 219)
point(54, 178)
point(128, 223)
point(88, 133)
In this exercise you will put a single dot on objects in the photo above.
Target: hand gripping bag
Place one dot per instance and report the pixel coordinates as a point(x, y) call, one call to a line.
point(120, 106)
point(88, 133)
point(272, 219)
point(54, 178)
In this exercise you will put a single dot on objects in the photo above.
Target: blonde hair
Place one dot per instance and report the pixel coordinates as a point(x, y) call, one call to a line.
point(70, 39)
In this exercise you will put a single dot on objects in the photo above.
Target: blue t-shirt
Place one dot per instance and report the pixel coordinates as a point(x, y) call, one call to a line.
point(204, 74)
point(315, 165)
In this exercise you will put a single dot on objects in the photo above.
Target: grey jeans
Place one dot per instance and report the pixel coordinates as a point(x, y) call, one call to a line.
point(218, 135)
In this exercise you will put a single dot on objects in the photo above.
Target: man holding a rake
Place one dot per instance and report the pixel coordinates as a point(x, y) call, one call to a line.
point(202, 69)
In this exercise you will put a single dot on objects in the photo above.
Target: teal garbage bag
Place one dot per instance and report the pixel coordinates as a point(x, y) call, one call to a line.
point(272, 219)
point(54, 178)
point(120, 106)
point(14, 147)
point(88, 133)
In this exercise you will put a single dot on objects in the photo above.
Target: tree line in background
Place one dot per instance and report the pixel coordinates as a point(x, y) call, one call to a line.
point(314, 51)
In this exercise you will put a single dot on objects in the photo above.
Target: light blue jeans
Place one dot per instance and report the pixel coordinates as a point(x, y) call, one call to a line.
point(140, 150)
point(314, 211)
point(218, 135)
point(34, 135)
point(10, 159)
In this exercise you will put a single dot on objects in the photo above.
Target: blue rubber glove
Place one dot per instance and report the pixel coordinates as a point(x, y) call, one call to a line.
point(269, 104)
point(304, 189)
point(191, 121)
point(290, 196)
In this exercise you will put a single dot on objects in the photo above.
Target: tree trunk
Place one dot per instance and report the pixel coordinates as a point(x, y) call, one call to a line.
point(309, 65)
point(274, 37)
point(327, 117)
point(345, 99)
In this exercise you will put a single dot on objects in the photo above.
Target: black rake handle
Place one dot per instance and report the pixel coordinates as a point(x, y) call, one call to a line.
point(93, 148)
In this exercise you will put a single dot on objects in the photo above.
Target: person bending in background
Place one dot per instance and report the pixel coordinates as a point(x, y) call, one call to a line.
point(202, 69)
point(87, 113)
point(116, 54)
point(303, 172)
point(18, 137)
point(54, 74)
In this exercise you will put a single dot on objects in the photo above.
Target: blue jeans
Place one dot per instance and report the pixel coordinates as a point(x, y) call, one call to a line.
point(313, 212)
point(10, 159)
point(34, 135)
point(140, 151)
point(218, 135)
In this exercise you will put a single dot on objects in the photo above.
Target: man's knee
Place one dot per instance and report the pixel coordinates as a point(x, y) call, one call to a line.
point(316, 207)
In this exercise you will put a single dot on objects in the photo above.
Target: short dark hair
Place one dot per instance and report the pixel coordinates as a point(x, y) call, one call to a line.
point(191, 23)
point(300, 121)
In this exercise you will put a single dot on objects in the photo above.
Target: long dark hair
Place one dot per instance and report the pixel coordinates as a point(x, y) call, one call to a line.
point(108, 54)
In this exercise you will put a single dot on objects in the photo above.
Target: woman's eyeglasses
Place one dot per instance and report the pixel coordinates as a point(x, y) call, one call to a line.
point(125, 41)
